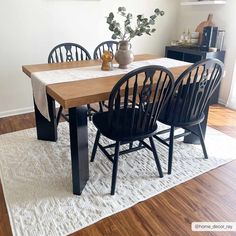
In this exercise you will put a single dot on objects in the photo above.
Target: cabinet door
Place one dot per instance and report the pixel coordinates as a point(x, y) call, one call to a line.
point(191, 58)
point(175, 55)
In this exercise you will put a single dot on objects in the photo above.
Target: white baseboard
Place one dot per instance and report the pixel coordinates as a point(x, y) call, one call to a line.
point(31, 109)
point(221, 102)
point(16, 112)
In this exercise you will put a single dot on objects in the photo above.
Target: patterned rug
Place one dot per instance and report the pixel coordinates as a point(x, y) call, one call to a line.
point(36, 178)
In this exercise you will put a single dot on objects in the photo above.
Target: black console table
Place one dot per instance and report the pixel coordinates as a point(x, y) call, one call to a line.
point(193, 55)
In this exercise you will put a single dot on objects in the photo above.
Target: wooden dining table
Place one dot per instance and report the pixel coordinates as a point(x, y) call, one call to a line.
point(74, 96)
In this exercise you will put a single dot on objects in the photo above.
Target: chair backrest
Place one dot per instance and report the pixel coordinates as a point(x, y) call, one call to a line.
point(192, 91)
point(111, 46)
point(137, 99)
point(66, 52)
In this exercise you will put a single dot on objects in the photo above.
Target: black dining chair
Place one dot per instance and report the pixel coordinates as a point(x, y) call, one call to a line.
point(134, 105)
point(111, 46)
point(67, 52)
point(185, 107)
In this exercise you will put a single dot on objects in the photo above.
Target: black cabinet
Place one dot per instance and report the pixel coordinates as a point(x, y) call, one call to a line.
point(194, 55)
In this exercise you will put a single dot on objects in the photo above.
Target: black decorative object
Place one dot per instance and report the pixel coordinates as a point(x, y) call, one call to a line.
point(186, 106)
point(209, 37)
point(134, 105)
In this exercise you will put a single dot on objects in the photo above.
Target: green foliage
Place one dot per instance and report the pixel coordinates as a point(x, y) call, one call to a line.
point(143, 25)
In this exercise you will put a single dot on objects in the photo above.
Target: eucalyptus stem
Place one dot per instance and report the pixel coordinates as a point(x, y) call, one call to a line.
point(143, 25)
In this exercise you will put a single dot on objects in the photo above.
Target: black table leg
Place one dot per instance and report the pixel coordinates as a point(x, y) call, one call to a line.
point(79, 148)
point(192, 138)
point(46, 130)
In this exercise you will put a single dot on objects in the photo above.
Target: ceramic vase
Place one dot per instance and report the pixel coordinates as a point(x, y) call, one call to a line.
point(124, 56)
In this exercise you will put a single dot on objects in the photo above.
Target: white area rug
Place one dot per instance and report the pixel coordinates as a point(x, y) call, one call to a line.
point(36, 177)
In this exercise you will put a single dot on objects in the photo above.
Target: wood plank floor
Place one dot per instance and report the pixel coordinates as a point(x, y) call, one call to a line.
point(209, 197)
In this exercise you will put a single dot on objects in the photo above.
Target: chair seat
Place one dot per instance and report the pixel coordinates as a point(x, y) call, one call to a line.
point(121, 131)
point(171, 117)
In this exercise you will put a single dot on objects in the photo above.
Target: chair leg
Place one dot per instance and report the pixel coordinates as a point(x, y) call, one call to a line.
point(95, 146)
point(100, 107)
point(202, 141)
point(171, 147)
point(130, 145)
point(115, 165)
point(59, 114)
point(89, 112)
point(140, 144)
point(156, 157)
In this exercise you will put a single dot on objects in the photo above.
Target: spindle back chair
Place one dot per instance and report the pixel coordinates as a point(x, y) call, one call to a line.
point(111, 46)
point(134, 105)
point(185, 108)
point(67, 52)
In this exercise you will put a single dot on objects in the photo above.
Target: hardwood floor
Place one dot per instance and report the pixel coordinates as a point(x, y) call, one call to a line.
point(209, 197)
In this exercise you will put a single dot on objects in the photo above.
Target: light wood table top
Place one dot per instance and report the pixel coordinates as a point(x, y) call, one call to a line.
point(77, 93)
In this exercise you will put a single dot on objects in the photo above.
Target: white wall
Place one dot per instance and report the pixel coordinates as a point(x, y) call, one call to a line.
point(224, 16)
point(30, 28)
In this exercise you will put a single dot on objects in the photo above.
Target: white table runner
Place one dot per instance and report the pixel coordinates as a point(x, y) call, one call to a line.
point(41, 79)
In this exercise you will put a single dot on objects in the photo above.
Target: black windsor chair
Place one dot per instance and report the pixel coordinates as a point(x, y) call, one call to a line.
point(185, 108)
point(111, 46)
point(134, 105)
point(66, 52)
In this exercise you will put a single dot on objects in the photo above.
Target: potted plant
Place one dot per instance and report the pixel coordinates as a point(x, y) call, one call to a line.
point(128, 30)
